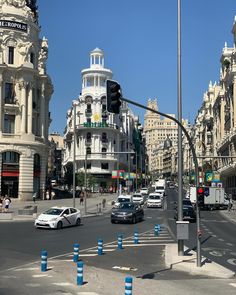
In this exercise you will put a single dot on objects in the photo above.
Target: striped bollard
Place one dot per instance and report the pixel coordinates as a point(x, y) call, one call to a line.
point(128, 286)
point(156, 230)
point(100, 247)
point(136, 237)
point(120, 241)
point(80, 267)
point(76, 253)
point(44, 258)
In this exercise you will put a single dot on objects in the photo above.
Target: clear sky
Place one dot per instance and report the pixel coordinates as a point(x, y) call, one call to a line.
point(139, 39)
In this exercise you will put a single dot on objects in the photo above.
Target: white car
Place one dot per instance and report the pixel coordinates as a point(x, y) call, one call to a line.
point(144, 191)
point(58, 217)
point(138, 198)
point(123, 199)
point(154, 200)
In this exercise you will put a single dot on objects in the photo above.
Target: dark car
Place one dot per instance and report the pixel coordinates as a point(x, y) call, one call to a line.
point(189, 213)
point(127, 212)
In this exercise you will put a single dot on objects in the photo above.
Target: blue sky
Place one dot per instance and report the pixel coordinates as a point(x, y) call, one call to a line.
point(139, 39)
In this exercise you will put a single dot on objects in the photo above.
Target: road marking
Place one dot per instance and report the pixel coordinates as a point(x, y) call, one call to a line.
point(87, 293)
point(29, 268)
point(214, 236)
point(33, 285)
point(229, 244)
point(9, 277)
point(125, 268)
point(233, 285)
point(62, 284)
point(232, 261)
point(41, 276)
point(221, 240)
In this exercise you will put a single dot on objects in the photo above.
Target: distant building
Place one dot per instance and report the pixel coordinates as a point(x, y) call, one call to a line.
point(25, 92)
point(99, 134)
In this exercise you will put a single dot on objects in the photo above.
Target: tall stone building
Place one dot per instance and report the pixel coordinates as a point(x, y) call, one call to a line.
point(157, 130)
point(25, 91)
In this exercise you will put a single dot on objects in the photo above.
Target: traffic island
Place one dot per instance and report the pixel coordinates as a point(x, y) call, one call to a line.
point(27, 210)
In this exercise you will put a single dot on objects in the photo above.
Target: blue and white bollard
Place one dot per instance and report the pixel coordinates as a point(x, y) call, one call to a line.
point(128, 286)
point(156, 230)
point(80, 268)
point(100, 247)
point(76, 253)
point(44, 258)
point(136, 238)
point(120, 242)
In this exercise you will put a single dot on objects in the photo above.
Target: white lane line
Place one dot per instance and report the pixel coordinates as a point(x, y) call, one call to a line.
point(29, 268)
point(62, 284)
point(87, 293)
point(229, 244)
point(233, 285)
point(82, 255)
point(41, 276)
point(9, 277)
point(221, 240)
point(33, 285)
point(214, 236)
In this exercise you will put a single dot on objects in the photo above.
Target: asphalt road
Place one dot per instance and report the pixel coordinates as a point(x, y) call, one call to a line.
point(218, 242)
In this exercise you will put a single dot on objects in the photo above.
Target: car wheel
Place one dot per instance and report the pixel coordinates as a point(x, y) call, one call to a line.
point(134, 220)
point(78, 221)
point(59, 225)
point(112, 221)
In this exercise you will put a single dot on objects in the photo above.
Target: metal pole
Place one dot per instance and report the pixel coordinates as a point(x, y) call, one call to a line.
point(74, 164)
point(136, 164)
point(85, 183)
point(195, 166)
point(180, 152)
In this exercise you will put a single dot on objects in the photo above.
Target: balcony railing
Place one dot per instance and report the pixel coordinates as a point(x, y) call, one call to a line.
point(97, 125)
point(88, 112)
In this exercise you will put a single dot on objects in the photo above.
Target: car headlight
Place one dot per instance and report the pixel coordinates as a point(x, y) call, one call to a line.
point(129, 214)
point(112, 213)
point(53, 219)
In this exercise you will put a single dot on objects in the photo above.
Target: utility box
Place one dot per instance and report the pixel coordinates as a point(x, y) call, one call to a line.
point(182, 230)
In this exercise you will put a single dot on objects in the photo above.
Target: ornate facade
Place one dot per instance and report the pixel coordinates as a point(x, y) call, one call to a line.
point(25, 91)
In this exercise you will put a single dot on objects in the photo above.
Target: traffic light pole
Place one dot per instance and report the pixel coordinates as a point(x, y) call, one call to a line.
point(195, 164)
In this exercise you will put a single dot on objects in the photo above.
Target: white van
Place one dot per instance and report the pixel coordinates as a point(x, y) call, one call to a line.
point(154, 200)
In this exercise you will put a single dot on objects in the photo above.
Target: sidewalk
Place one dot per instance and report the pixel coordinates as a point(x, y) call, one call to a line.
point(93, 206)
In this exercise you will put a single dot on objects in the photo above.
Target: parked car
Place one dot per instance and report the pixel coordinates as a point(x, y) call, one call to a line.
point(138, 198)
point(154, 200)
point(189, 213)
point(127, 212)
point(58, 217)
point(186, 202)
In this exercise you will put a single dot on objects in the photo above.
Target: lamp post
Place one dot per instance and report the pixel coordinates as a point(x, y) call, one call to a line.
point(74, 147)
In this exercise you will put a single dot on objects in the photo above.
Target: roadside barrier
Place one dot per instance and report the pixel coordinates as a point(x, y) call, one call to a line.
point(44, 258)
point(120, 242)
point(136, 237)
point(128, 286)
point(157, 229)
point(76, 253)
point(100, 247)
point(80, 268)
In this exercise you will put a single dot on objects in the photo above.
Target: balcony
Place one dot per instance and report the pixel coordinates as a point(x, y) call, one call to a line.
point(88, 141)
point(104, 141)
point(88, 112)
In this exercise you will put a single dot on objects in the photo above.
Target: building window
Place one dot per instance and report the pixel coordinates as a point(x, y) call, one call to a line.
point(9, 124)
point(32, 57)
point(10, 157)
point(11, 55)
point(88, 151)
point(104, 166)
point(89, 166)
point(9, 93)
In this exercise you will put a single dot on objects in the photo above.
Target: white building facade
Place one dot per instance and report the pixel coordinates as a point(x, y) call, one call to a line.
point(99, 134)
point(25, 91)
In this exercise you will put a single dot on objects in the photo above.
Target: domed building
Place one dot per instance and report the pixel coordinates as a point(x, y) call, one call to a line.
point(25, 92)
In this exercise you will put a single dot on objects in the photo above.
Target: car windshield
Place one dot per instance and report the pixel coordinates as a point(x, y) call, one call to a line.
point(53, 211)
point(126, 206)
point(137, 196)
point(122, 200)
point(187, 202)
point(155, 197)
point(160, 187)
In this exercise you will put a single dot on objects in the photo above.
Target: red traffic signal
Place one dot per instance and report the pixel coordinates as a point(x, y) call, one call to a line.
point(200, 190)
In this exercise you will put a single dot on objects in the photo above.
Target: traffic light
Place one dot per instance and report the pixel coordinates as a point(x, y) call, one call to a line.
point(113, 97)
point(200, 195)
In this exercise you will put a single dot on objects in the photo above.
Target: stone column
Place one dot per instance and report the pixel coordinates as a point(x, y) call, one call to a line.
point(30, 109)
point(234, 102)
point(22, 86)
point(222, 118)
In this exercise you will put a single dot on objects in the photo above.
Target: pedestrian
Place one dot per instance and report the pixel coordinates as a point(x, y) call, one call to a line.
point(7, 202)
point(1, 204)
point(34, 196)
point(81, 198)
point(230, 204)
point(103, 203)
point(47, 195)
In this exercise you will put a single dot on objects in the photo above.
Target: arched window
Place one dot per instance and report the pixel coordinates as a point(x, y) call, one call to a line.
point(104, 150)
